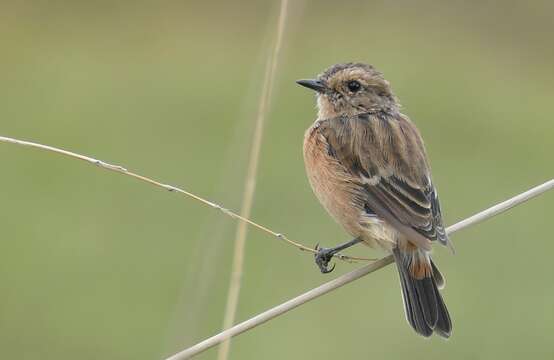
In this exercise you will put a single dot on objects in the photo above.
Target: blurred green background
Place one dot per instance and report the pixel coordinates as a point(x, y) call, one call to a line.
point(95, 265)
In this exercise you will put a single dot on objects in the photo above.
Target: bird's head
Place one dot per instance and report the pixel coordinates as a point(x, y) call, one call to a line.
point(350, 89)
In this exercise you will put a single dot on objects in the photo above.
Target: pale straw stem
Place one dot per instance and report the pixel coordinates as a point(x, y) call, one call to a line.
point(349, 277)
point(250, 184)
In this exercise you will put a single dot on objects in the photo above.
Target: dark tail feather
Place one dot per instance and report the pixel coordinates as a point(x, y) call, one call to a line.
point(423, 304)
point(439, 279)
point(444, 324)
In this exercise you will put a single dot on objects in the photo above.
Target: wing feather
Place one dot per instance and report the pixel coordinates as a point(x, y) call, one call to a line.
point(385, 154)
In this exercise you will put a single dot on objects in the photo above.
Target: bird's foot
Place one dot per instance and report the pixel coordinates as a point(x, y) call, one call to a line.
point(322, 258)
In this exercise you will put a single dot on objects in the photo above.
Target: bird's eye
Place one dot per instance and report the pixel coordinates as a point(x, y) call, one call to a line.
point(353, 86)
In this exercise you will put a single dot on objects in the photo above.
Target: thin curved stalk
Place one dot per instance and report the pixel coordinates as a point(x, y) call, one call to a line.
point(351, 276)
point(122, 170)
point(235, 281)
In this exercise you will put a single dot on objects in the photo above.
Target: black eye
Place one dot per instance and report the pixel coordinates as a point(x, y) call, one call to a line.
point(353, 86)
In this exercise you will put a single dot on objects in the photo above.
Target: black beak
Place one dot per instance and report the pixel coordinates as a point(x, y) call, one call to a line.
point(313, 84)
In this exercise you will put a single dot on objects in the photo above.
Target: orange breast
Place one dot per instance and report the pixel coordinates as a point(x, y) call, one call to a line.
point(342, 197)
point(331, 183)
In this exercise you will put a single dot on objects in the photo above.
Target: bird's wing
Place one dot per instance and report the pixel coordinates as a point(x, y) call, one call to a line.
point(386, 157)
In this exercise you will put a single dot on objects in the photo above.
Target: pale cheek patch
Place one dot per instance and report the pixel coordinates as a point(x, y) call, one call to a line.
point(326, 109)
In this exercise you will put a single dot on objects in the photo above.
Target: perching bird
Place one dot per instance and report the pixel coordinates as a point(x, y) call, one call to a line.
point(367, 165)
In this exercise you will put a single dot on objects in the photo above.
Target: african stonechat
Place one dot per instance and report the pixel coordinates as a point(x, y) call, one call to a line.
point(367, 165)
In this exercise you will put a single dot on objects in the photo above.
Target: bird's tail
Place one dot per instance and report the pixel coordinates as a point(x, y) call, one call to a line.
point(423, 304)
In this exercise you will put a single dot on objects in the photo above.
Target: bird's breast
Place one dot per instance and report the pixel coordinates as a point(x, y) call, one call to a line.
point(331, 182)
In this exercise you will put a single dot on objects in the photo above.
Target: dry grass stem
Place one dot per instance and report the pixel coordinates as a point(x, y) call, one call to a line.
point(250, 183)
point(351, 276)
point(171, 188)
point(310, 295)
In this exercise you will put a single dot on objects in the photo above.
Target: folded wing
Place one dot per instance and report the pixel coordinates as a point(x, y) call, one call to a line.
point(385, 155)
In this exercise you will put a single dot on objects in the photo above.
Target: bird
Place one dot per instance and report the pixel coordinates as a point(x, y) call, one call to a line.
point(367, 164)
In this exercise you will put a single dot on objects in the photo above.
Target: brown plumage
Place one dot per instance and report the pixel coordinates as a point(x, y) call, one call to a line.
point(367, 165)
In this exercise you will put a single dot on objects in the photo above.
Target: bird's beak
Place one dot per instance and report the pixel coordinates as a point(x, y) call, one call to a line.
point(313, 84)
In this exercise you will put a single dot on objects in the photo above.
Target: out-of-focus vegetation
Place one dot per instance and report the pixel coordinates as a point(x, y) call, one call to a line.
point(97, 266)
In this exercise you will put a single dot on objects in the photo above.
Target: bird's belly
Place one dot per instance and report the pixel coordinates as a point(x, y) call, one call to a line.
point(378, 234)
point(335, 199)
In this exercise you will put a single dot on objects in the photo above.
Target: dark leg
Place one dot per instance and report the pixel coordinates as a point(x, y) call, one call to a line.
point(324, 255)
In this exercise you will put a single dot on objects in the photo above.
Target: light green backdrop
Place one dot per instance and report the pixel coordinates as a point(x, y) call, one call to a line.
point(94, 265)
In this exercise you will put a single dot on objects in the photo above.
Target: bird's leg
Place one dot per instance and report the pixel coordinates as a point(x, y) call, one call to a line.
point(324, 255)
